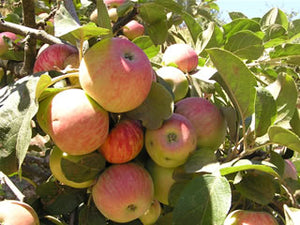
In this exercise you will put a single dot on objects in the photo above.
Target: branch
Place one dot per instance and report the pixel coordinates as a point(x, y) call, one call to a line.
point(12, 186)
point(124, 20)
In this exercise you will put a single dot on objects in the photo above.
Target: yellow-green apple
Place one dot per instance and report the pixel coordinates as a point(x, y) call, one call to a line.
point(55, 159)
point(124, 142)
point(162, 179)
point(290, 170)
point(117, 74)
point(13, 212)
point(176, 79)
point(171, 144)
point(74, 121)
point(53, 57)
point(112, 13)
point(152, 214)
point(4, 38)
point(123, 192)
point(206, 118)
point(243, 217)
point(181, 55)
point(133, 29)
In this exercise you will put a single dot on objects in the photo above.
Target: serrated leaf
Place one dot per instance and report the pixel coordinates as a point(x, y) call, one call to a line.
point(236, 79)
point(146, 44)
point(285, 137)
point(245, 44)
point(275, 16)
point(157, 107)
point(205, 200)
point(265, 111)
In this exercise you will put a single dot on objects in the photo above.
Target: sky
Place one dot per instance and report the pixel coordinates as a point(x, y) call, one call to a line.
point(257, 8)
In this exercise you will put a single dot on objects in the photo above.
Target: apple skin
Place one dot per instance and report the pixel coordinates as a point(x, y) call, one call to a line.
point(117, 74)
point(152, 214)
point(162, 179)
point(124, 142)
point(13, 212)
point(3, 45)
point(290, 170)
point(176, 79)
point(123, 192)
point(171, 144)
point(76, 123)
point(182, 55)
point(112, 13)
point(133, 29)
point(241, 217)
point(53, 57)
point(206, 118)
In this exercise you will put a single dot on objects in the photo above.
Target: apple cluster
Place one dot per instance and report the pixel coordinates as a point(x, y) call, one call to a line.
point(115, 76)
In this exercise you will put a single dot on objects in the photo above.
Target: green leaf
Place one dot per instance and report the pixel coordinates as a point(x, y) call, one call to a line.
point(285, 137)
point(290, 52)
point(152, 12)
point(274, 31)
point(232, 122)
point(275, 16)
point(158, 31)
point(18, 106)
point(170, 5)
point(295, 122)
point(292, 215)
point(192, 25)
point(146, 44)
point(157, 107)
point(265, 111)
point(245, 44)
point(88, 31)
point(205, 200)
point(277, 160)
point(294, 29)
point(236, 79)
point(236, 15)
point(90, 215)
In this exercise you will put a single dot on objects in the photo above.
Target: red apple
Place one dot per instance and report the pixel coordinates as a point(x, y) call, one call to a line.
point(206, 118)
point(246, 217)
point(123, 192)
point(13, 212)
point(176, 79)
point(181, 55)
point(3, 43)
point(53, 57)
point(75, 122)
point(114, 3)
point(171, 144)
point(124, 142)
point(133, 29)
point(290, 170)
point(117, 74)
point(152, 214)
point(162, 179)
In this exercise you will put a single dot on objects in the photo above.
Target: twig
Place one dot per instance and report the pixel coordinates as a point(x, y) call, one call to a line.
point(12, 186)
point(124, 20)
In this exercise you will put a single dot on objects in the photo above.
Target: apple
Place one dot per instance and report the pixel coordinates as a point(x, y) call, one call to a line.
point(117, 74)
point(4, 46)
point(124, 142)
point(53, 57)
point(56, 156)
point(290, 170)
point(133, 29)
point(114, 3)
point(123, 192)
point(112, 13)
point(13, 212)
point(206, 118)
point(162, 179)
point(152, 214)
point(176, 79)
point(74, 121)
point(243, 217)
point(171, 144)
point(181, 55)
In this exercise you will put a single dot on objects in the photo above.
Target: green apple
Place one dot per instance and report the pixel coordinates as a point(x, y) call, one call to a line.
point(152, 214)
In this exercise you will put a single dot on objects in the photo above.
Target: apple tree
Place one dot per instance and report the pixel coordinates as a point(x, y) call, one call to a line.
point(148, 112)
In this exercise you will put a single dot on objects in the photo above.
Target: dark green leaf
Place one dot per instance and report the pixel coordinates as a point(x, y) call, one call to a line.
point(275, 16)
point(146, 44)
point(277, 160)
point(158, 31)
point(282, 136)
point(236, 79)
point(157, 107)
point(170, 5)
point(295, 122)
point(90, 215)
point(152, 13)
point(232, 121)
point(205, 200)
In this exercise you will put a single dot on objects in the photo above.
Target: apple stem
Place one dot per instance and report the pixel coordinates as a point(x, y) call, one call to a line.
point(12, 186)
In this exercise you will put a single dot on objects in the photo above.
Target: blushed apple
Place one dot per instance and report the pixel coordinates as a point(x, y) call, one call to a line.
point(152, 214)
point(74, 121)
point(114, 3)
point(176, 79)
point(124, 142)
point(206, 118)
point(162, 179)
point(117, 74)
point(53, 57)
point(112, 13)
point(242, 217)
point(181, 55)
point(4, 47)
point(123, 192)
point(290, 170)
point(133, 29)
point(171, 144)
point(13, 212)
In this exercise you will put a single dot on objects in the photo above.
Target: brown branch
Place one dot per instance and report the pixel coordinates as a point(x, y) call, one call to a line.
point(124, 20)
